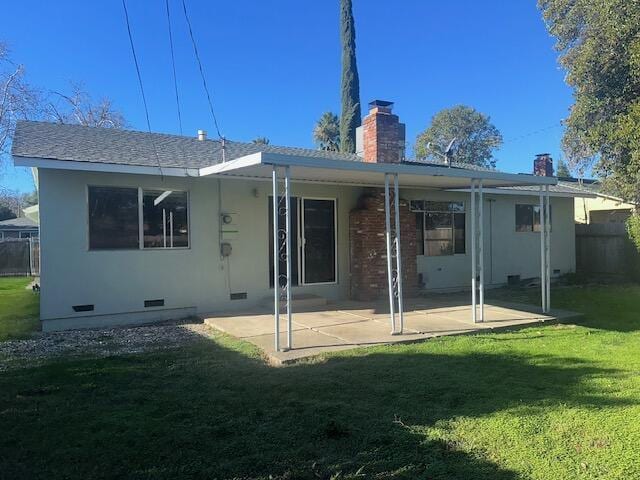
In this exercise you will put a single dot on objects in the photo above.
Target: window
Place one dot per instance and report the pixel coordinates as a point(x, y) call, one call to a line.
point(528, 218)
point(113, 218)
point(116, 218)
point(165, 219)
point(28, 234)
point(440, 227)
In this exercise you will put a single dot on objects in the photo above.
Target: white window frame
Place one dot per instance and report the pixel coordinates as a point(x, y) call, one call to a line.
point(424, 211)
point(141, 191)
point(533, 225)
point(141, 246)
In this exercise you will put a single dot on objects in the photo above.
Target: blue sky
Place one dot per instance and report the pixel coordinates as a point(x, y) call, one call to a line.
point(274, 66)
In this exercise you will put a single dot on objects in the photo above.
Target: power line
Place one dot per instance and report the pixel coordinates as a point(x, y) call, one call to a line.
point(173, 65)
point(144, 98)
point(204, 81)
point(535, 132)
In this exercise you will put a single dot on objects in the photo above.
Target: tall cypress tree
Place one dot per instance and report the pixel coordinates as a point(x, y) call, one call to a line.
point(350, 116)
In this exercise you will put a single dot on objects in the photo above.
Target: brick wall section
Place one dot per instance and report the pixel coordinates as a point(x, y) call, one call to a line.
point(368, 250)
point(383, 137)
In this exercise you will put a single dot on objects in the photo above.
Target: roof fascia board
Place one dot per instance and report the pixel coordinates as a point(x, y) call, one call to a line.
point(523, 193)
point(103, 167)
point(279, 159)
point(241, 162)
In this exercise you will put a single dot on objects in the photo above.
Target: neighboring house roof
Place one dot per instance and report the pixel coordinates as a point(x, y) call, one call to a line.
point(588, 185)
point(32, 212)
point(21, 223)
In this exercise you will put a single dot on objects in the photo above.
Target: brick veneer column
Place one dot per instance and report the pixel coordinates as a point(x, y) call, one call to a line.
point(368, 250)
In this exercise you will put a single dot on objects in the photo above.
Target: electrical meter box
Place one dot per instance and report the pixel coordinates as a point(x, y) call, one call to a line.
point(229, 226)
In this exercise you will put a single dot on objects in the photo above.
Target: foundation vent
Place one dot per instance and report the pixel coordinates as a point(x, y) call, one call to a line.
point(238, 296)
point(154, 303)
point(83, 308)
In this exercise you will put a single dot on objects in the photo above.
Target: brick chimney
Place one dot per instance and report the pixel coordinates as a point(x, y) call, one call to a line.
point(383, 136)
point(543, 165)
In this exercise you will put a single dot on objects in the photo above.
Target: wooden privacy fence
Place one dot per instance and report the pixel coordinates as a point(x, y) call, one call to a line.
point(605, 249)
point(20, 257)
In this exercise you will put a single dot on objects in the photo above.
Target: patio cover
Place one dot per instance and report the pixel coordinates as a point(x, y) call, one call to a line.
point(259, 166)
point(283, 169)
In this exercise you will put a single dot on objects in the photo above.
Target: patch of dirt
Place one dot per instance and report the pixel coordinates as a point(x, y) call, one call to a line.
point(99, 342)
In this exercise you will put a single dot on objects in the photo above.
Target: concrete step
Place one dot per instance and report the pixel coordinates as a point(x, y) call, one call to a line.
point(300, 301)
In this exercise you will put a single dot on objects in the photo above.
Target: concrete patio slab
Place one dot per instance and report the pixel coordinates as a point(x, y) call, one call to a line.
point(244, 326)
point(353, 324)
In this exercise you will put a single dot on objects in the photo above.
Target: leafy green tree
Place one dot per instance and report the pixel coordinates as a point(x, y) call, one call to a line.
point(599, 45)
point(326, 133)
point(476, 137)
point(260, 141)
point(6, 213)
point(350, 117)
point(562, 170)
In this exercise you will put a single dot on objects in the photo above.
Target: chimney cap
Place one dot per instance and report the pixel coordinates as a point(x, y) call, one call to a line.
point(538, 155)
point(380, 103)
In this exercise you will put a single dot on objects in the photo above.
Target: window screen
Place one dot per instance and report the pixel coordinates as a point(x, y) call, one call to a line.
point(528, 218)
point(440, 228)
point(165, 219)
point(113, 218)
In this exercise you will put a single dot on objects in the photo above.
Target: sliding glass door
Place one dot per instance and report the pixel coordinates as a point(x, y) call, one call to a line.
point(313, 241)
point(319, 240)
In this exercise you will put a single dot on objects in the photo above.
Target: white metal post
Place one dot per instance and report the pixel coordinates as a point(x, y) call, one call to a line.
point(276, 259)
point(387, 222)
point(548, 249)
point(473, 250)
point(396, 207)
point(481, 248)
point(287, 193)
point(543, 253)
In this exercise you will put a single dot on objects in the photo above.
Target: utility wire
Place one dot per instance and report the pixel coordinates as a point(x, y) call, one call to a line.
point(173, 65)
point(204, 81)
point(535, 132)
point(144, 98)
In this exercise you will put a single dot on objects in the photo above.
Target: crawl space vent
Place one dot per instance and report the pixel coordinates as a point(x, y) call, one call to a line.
point(82, 308)
point(238, 296)
point(154, 303)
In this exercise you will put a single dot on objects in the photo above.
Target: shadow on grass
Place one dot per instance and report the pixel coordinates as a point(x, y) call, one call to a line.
point(211, 411)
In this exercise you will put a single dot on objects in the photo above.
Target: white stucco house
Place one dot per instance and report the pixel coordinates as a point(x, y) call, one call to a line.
point(138, 227)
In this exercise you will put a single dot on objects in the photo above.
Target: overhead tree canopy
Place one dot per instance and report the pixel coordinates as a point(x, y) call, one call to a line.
point(476, 137)
point(78, 107)
point(326, 133)
point(18, 100)
point(599, 45)
point(350, 117)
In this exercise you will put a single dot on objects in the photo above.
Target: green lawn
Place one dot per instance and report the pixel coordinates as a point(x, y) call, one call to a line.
point(552, 402)
point(19, 308)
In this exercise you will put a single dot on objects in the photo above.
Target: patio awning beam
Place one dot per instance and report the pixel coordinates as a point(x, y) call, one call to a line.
point(477, 250)
point(282, 251)
point(545, 248)
point(387, 236)
point(392, 237)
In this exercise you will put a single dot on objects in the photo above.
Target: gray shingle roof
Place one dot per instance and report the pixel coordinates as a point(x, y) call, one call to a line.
point(127, 147)
point(21, 223)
